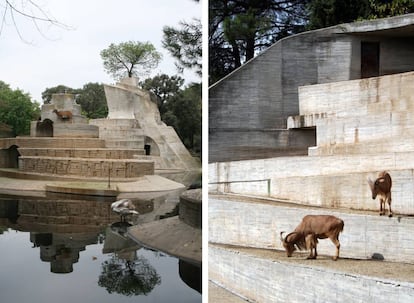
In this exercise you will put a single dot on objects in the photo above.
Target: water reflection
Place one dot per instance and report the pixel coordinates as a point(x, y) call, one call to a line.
point(63, 228)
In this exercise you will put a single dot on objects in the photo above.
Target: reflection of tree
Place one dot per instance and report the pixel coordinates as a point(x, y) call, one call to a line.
point(128, 278)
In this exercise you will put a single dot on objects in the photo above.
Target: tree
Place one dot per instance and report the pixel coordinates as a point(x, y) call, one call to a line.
point(17, 109)
point(324, 13)
point(185, 45)
point(60, 89)
point(183, 112)
point(164, 87)
point(92, 99)
point(128, 278)
point(130, 59)
point(240, 29)
point(13, 12)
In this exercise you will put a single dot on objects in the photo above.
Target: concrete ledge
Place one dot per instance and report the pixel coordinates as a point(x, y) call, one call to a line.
point(86, 167)
point(257, 223)
point(101, 153)
point(83, 188)
point(268, 276)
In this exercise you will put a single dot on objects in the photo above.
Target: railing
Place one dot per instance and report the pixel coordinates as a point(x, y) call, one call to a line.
point(246, 181)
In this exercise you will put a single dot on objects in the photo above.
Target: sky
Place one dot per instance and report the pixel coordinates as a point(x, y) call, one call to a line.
point(71, 56)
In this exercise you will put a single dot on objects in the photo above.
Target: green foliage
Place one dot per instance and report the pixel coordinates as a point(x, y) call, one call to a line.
point(60, 89)
point(130, 58)
point(179, 108)
point(128, 278)
point(324, 13)
point(384, 8)
point(240, 29)
point(185, 44)
point(183, 112)
point(91, 97)
point(17, 110)
point(164, 87)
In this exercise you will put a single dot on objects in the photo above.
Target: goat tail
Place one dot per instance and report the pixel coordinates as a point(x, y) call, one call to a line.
point(339, 227)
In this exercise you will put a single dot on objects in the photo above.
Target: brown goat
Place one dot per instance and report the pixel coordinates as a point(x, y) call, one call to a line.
point(382, 188)
point(306, 234)
point(64, 115)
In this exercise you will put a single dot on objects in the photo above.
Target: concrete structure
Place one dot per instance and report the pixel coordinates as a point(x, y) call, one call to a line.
point(180, 235)
point(248, 109)
point(134, 122)
point(51, 125)
point(130, 144)
point(360, 127)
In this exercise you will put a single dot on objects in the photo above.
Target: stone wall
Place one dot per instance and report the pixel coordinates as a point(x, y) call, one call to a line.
point(87, 167)
point(99, 153)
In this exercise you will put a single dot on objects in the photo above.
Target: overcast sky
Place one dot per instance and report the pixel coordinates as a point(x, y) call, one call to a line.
point(72, 56)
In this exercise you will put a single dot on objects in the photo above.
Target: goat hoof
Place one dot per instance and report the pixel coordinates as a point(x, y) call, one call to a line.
point(334, 258)
point(390, 215)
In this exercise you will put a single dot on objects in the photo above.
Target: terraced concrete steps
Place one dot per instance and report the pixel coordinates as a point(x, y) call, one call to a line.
point(250, 222)
point(263, 275)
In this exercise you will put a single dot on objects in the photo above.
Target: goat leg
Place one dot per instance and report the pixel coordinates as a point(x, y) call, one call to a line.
point(389, 207)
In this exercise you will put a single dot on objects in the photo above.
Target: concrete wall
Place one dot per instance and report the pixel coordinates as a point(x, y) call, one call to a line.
point(42, 142)
point(100, 153)
point(334, 181)
point(264, 92)
point(87, 167)
point(266, 280)
point(259, 225)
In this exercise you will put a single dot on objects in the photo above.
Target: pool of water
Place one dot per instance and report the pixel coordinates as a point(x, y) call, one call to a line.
point(57, 250)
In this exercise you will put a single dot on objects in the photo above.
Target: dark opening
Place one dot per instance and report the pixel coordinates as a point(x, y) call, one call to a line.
point(370, 55)
point(44, 128)
point(147, 148)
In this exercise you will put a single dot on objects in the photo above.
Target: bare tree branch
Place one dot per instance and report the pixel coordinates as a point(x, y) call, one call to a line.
point(37, 15)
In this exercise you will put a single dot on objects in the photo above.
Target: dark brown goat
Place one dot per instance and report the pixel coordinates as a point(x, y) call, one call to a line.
point(63, 114)
point(306, 234)
point(382, 188)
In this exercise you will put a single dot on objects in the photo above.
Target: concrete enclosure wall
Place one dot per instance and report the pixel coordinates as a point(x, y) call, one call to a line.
point(262, 93)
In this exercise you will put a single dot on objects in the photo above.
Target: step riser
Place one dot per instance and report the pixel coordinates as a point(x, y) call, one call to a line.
point(259, 225)
point(87, 167)
point(82, 153)
point(270, 281)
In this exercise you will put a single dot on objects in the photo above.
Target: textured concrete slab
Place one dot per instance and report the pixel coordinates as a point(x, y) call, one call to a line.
point(172, 236)
point(218, 294)
point(269, 276)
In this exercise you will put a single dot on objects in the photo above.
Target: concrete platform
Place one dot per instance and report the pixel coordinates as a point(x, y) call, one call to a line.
point(143, 187)
point(250, 222)
point(262, 275)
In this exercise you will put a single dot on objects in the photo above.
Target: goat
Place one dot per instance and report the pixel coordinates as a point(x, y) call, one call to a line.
point(382, 188)
point(306, 234)
point(64, 115)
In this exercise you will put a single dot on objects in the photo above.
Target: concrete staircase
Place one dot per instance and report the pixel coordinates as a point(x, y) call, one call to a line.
point(362, 127)
point(246, 256)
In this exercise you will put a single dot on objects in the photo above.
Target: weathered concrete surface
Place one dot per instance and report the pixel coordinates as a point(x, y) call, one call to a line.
point(91, 167)
point(320, 180)
point(262, 93)
point(180, 235)
point(258, 223)
point(218, 294)
point(269, 276)
point(127, 103)
point(143, 187)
